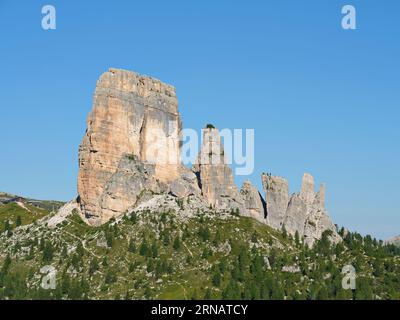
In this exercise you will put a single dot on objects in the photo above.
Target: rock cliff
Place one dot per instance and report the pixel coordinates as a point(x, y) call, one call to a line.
point(130, 154)
point(132, 133)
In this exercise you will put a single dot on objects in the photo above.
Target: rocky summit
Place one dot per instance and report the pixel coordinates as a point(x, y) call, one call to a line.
point(130, 153)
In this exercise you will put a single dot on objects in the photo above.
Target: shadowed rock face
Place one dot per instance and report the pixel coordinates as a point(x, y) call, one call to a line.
point(133, 117)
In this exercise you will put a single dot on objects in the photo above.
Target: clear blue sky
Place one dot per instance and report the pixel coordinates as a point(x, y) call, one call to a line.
point(321, 99)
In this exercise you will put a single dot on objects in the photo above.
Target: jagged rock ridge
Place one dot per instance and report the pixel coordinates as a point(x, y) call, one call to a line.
point(131, 152)
point(303, 212)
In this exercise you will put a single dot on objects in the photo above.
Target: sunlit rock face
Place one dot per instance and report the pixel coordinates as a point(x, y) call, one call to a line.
point(134, 118)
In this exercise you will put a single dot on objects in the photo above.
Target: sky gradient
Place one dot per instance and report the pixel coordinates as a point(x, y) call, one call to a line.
point(321, 99)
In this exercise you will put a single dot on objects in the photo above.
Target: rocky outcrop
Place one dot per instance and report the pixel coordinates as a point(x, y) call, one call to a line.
point(214, 174)
point(277, 198)
point(253, 201)
point(130, 156)
point(62, 214)
point(317, 219)
point(296, 215)
point(304, 212)
point(134, 119)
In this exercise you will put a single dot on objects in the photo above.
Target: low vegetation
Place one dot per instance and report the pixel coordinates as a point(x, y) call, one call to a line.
point(151, 255)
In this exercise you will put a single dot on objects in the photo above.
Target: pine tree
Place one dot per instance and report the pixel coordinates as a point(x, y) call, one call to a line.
point(297, 238)
point(232, 291)
point(110, 277)
point(94, 266)
point(277, 292)
point(217, 238)
point(216, 279)
point(154, 250)
point(48, 251)
point(222, 267)
point(18, 221)
point(65, 283)
point(166, 239)
point(150, 265)
point(284, 232)
point(177, 243)
point(109, 239)
point(243, 259)
point(132, 246)
point(257, 268)
point(204, 233)
point(207, 295)
point(236, 273)
point(7, 226)
point(133, 218)
point(143, 248)
point(159, 269)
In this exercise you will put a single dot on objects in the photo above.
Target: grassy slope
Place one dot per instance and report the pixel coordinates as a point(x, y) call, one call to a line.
point(12, 210)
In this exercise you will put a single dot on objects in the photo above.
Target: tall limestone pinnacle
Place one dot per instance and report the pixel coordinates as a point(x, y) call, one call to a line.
point(217, 183)
point(307, 188)
point(133, 118)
